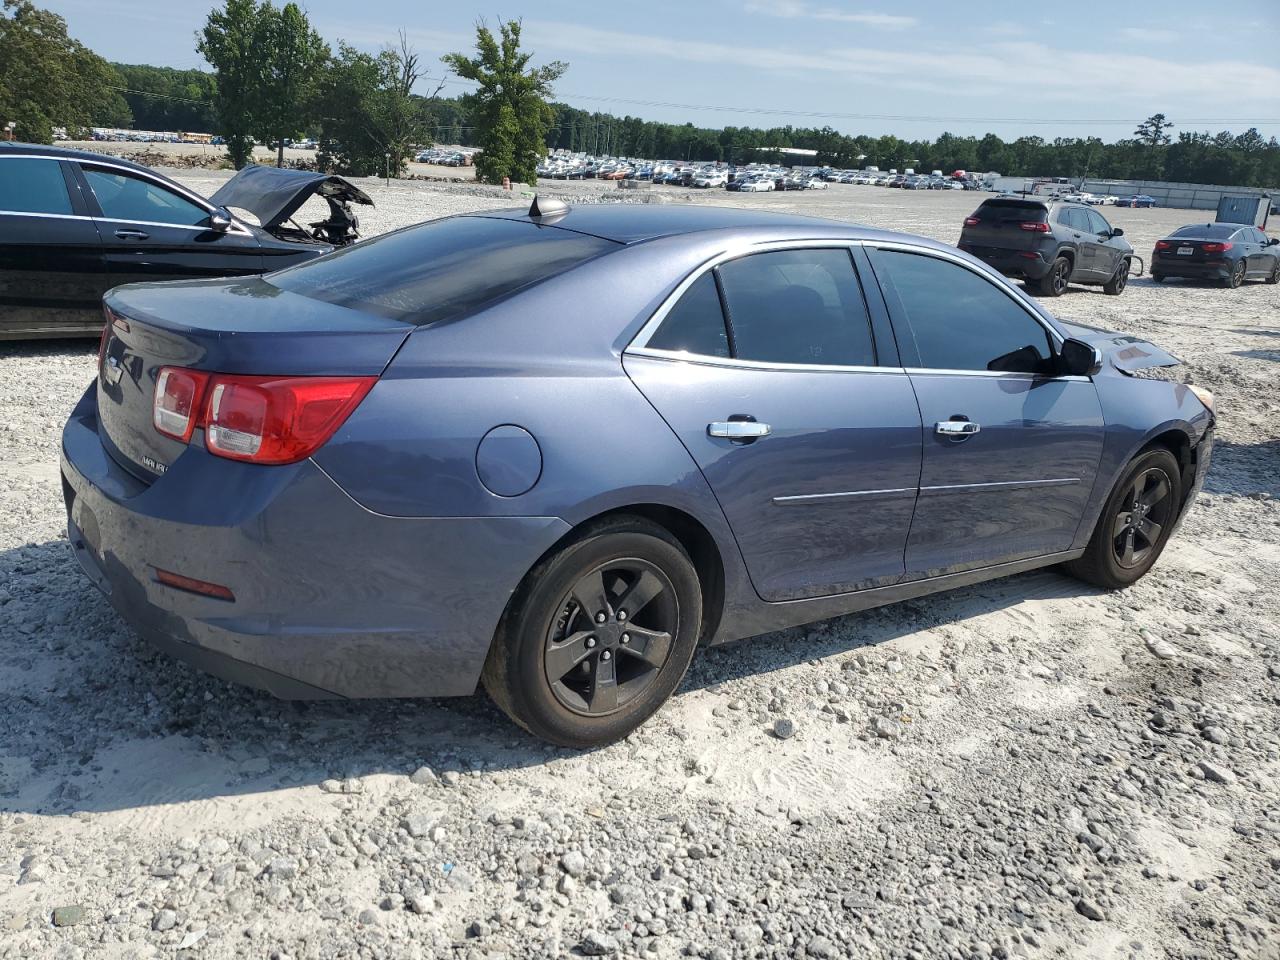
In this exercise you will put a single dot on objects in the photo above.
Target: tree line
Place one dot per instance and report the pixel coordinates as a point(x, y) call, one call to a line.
point(274, 78)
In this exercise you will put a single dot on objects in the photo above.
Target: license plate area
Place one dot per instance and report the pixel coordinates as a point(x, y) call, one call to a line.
point(1186, 251)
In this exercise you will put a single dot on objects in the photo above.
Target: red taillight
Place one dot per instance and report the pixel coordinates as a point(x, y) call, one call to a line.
point(259, 419)
point(192, 585)
point(175, 408)
point(1216, 247)
point(1035, 226)
point(972, 221)
point(1163, 244)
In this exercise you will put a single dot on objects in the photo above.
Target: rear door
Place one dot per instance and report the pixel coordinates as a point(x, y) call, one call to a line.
point(1010, 450)
point(799, 416)
point(50, 258)
point(150, 231)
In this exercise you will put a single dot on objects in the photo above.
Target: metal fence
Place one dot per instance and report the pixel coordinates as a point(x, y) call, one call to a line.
point(1190, 196)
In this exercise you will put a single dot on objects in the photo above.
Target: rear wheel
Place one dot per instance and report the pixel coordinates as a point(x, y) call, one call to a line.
point(1119, 280)
point(1157, 277)
point(598, 636)
point(1136, 522)
point(1236, 277)
point(1054, 283)
point(1274, 276)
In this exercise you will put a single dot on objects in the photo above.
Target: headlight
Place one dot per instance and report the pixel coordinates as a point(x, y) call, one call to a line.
point(1203, 395)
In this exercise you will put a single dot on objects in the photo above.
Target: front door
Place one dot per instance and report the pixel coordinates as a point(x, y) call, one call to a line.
point(1110, 250)
point(150, 232)
point(50, 258)
point(1010, 450)
point(767, 370)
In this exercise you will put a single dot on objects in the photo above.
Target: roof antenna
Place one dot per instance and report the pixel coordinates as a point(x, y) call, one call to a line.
point(547, 208)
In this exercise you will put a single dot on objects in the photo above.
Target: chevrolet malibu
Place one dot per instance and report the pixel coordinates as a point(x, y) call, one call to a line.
point(555, 451)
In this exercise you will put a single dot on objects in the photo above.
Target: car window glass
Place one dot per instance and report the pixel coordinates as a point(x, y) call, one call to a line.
point(960, 321)
point(1097, 224)
point(797, 306)
point(30, 185)
point(696, 323)
point(125, 197)
point(441, 270)
point(1068, 218)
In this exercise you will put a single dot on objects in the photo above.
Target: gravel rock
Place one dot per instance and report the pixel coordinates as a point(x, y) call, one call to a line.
point(784, 728)
point(573, 863)
point(68, 916)
point(1089, 909)
point(886, 728)
point(597, 944)
point(1215, 773)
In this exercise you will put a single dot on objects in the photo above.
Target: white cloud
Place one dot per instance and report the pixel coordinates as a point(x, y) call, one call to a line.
point(993, 70)
point(797, 9)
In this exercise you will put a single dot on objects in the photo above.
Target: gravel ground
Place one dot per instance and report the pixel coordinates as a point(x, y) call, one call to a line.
point(1023, 768)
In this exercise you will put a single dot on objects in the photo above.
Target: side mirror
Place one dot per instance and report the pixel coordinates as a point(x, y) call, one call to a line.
point(1117, 232)
point(1079, 359)
point(1273, 241)
point(220, 220)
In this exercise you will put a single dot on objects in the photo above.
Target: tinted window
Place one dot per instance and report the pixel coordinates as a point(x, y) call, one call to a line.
point(797, 306)
point(1097, 223)
point(1070, 217)
point(1012, 210)
point(696, 323)
point(442, 269)
point(123, 196)
point(960, 321)
point(28, 185)
point(1207, 231)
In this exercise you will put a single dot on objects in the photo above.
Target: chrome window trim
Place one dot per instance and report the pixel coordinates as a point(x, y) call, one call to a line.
point(639, 343)
point(201, 202)
point(33, 213)
point(1002, 485)
point(1000, 374)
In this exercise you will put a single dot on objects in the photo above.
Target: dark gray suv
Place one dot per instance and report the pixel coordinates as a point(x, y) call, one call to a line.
point(1048, 244)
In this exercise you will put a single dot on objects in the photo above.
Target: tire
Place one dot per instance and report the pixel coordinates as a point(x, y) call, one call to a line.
point(1054, 283)
point(536, 637)
point(1274, 276)
point(1157, 277)
point(1121, 551)
point(1119, 280)
point(1236, 277)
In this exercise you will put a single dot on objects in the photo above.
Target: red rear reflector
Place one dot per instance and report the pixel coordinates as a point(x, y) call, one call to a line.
point(972, 221)
point(1029, 256)
point(278, 419)
point(1035, 227)
point(177, 400)
point(192, 585)
point(1216, 247)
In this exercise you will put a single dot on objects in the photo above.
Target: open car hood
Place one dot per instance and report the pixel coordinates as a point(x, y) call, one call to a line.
point(273, 194)
point(1126, 353)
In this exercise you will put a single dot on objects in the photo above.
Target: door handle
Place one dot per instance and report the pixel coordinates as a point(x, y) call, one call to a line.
point(132, 235)
point(738, 429)
point(956, 428)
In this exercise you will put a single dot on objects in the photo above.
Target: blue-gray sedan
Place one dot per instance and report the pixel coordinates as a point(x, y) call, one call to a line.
point(555, 450)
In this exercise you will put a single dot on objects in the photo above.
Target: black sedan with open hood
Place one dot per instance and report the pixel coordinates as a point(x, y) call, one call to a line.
point(75, 224)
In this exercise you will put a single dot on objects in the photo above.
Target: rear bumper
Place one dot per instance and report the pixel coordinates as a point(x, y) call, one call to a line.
point(331, 600)
point(1180, 267)
point(1011, 263)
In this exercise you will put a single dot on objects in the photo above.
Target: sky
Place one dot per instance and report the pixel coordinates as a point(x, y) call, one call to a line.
point(912, 69)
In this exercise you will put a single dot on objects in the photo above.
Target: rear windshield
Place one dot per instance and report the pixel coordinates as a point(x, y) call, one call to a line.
point(1012, 210)
point(441, 270)
point(1208, 231)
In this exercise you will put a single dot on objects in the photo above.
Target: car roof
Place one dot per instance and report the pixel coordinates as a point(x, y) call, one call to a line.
point(65, 153)
point(630, 223)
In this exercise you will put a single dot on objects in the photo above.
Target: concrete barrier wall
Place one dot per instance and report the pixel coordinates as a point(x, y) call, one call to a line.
point(1190, 196)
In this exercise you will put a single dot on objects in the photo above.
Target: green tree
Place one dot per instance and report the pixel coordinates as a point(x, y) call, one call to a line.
point(49, 80)
point(231, 42)
point(510, 108)
point(162, 98)
point(1154, 131)
point(293, 55)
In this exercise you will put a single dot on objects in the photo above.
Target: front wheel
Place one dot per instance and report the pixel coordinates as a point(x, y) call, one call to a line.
point(598, 636)
point(1236, 277)
point(1119, 280)
point(1136, 522)
point(1274, 276)
point(1054, 283)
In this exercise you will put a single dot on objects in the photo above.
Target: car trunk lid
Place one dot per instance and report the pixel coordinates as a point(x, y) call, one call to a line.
point(243, 326)
point(1004, 225)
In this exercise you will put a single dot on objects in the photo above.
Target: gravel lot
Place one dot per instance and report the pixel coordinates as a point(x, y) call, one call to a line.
point(1023, 768)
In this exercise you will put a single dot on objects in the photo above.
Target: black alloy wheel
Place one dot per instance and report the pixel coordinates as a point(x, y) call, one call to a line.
point(1144, 512)
point(1274, 276)
point(1054, 283)
point(1237, 275)
point(1119, 280)
point(612, 636)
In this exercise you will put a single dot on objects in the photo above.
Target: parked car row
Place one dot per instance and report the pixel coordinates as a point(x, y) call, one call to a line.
point(442, 157)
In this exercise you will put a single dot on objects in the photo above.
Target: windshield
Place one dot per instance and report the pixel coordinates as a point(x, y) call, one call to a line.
point(441, 270)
